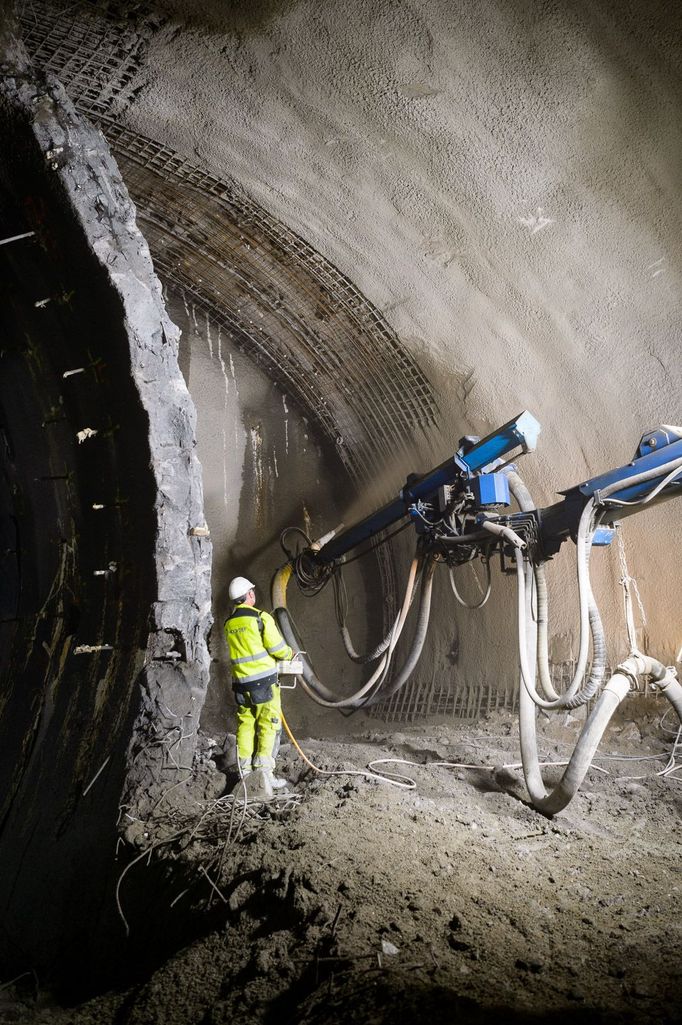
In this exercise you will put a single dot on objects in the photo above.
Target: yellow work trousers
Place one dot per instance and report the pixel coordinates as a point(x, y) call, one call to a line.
point(257, 729)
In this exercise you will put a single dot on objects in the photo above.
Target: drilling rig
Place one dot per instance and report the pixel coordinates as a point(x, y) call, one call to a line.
point(461, 511)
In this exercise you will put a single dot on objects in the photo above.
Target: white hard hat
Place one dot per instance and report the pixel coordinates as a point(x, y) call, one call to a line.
point(239, 587)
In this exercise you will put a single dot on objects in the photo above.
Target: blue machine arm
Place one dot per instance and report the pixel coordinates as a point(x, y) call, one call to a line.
point(521, 432)
point(450, 504)
point(460, 511)
point(657, 450)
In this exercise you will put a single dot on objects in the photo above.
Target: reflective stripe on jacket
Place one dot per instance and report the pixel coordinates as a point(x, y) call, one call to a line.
point(255, 644)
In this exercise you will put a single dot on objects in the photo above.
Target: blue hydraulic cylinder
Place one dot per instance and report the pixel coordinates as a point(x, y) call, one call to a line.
point(522, 432)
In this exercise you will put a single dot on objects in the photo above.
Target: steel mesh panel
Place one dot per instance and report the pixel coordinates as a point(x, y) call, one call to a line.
point(94, 55)
point(365, 390)
point(457, 699)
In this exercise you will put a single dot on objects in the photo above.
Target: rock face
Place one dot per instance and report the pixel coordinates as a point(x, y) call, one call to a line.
point(105, 557)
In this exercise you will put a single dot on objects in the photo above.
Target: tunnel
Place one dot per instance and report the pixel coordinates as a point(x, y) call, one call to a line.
point(264, 265)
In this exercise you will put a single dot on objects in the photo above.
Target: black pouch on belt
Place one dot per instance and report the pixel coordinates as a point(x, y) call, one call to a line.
point(258, 693)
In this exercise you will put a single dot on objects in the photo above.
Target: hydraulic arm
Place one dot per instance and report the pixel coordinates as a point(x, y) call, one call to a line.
point(451, 505)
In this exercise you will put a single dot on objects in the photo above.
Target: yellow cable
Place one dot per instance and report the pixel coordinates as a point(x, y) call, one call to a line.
point(411, 785)
point(305, 758)
point(406, 784)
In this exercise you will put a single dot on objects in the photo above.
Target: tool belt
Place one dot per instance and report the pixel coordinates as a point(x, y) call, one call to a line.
point(256, 693)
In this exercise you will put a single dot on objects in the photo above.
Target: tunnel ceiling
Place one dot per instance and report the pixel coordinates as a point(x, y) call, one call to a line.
point(283, 303)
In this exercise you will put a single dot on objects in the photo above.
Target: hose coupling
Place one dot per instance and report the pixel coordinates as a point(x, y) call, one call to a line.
point(664, 682)
point(630, 672)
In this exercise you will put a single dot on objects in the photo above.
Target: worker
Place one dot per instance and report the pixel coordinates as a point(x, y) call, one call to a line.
point(255, 645)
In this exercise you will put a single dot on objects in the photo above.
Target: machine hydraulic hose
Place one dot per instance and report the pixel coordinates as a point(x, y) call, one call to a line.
point(461, 512)
point(615, 691)
point(312, 684)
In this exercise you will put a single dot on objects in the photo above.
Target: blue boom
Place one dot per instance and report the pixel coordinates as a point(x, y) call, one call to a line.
point(450, 504)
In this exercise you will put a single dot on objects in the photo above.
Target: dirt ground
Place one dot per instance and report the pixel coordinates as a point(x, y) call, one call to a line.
point(353, 900)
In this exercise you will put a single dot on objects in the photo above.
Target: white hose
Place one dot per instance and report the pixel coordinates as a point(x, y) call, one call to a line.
point(672, 690)
point(417, 645)
point(386, 657)
point(590, 622)
point(614, 692)
point(542, 635)
point(506, 532)
point(486, 593)
point(342, 603)
point(671, 469)
point(617, 687)
point(528, 677)
point(588, 612)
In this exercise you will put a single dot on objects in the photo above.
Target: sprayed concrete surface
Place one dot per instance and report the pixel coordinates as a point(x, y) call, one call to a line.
point(501, 179)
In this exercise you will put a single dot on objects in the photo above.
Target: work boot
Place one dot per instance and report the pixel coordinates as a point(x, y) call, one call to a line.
point(273, 780)
point(245, 767)
point(253, 788)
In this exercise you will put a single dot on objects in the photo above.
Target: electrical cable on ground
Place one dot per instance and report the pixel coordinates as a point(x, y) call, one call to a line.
point(406, 784)
point(469, 765)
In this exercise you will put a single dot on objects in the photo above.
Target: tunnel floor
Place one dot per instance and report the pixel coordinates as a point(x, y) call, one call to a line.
point(350, 900)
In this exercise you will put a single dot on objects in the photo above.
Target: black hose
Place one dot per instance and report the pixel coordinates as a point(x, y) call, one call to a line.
point(377, 544)
point(290, 635)
point(293, 530)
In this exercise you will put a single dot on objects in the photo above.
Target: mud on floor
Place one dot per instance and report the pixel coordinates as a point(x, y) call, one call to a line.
point(456, 900)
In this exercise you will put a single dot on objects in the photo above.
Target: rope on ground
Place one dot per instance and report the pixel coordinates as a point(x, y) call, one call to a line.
point(469, 765)
point(673, 765)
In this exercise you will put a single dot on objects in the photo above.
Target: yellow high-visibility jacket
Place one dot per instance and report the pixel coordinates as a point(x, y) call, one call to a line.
point(255, 645)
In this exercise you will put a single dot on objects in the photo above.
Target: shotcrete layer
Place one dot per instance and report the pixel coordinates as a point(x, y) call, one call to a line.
point(501, 180)
point(105, 663)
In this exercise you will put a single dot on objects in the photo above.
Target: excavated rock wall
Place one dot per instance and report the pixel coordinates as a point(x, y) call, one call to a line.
point(106, 581)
